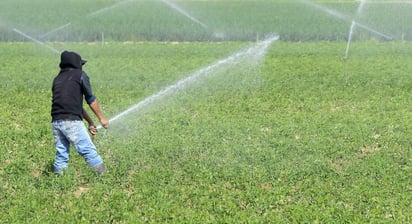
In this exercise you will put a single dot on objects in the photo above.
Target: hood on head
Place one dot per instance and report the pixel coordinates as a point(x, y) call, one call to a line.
point(69, 59)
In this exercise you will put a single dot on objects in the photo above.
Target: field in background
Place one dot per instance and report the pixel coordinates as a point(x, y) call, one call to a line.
point(143, 20)
point(302, 135)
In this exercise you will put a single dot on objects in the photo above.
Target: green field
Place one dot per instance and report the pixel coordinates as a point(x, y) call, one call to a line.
point(234, 20)
point(299, 135)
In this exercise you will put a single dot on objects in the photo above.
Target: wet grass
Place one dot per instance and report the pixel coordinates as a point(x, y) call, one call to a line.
point(288, 140)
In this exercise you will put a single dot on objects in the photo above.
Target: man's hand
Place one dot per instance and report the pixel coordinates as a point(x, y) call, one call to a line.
point(105, 123)
point(96, 109)
point(92, 130)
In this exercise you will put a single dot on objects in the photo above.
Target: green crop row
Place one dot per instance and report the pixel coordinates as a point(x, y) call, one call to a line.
point(202, 20)
point(290, 138)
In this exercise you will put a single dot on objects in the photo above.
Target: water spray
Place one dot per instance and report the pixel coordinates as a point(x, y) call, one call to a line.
point(115, 5)
point(387, 37)
point(351, 30)
point(95, 13)
point(55, 30)
point(36, 41)
point(347, 19)
point(360, 7)
point(352, 26)
point(183, 12)
point(256, 51)
point(345, 72)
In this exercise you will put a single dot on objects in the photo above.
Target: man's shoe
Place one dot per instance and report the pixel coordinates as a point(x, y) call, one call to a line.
point(101, 168)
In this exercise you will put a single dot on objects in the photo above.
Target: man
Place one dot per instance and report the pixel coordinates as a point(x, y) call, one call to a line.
point(69, 88)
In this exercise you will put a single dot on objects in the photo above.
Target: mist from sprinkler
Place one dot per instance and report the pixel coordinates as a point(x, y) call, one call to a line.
point(360, 7)
point(33, 39)
point(55, 30)
point(257, 51)
point(346, 18)
point(108, 8)
point(93, 14)
point(352, 27)
point(171, 4)
point(36, 41)
point(1, 23)
point(174, 6)
point(351, 30)
point(183, 12)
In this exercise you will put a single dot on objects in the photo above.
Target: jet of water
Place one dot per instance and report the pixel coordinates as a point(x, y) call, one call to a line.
point(55, 30)
point(256, 51)
point(95, 13)
point(352, 27)
point(360, 7)
point(387, 37)
point(36, 41)
point(183, 12)
point(108, 8)
point(345, 71)
point(345, 18)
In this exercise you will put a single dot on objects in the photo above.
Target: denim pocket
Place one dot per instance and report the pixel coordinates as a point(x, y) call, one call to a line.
point(71, 129)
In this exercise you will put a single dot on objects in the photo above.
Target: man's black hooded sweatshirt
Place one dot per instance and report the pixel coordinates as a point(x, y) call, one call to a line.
point(68, 89)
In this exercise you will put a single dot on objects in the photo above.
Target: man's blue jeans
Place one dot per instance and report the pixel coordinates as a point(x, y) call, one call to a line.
point(75, 133)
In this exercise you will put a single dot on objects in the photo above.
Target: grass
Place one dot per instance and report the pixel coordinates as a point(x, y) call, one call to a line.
point(299, 136)
point(286, 140)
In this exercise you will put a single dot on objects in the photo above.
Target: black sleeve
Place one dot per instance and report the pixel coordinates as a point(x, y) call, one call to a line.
point(87, 88)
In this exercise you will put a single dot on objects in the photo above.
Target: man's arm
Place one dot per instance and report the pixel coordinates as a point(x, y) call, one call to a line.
point(96, 110)
point(91, 100)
